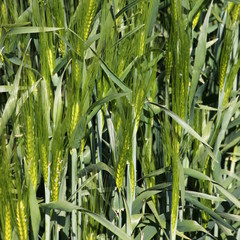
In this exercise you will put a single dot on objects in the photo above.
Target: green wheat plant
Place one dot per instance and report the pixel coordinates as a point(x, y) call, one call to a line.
point(119, 119)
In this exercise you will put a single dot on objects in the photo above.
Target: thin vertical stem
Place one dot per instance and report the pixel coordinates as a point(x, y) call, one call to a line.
point(47, 200)
point(129, 198)
point(47, 214)
point(80, 199)
point(56, 235)
point(134, 153)
point(73, 184)
point(99, 154)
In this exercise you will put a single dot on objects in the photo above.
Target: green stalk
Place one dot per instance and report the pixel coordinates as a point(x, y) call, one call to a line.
point(175, 188)
point(176, 107)
point(56, 235)
point(74, 187)
point(120, 212)
point(80, 195)
point(131, 171)
point(134, 156)
point(129, 198)
point(99, 155)
point(47, 200)
point(46, 153)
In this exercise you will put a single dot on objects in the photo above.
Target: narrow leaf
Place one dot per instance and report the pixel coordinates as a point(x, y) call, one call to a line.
point(182, 123)
point(141, 199)
point(114, 78)
point(214, 215)
point(107, 224)
point(60, 205)
point(228, 195)
point(199, 56)
point(34, 211)
point(191, 226)
point(25, 30)
point(100, 166)
point(196, 174)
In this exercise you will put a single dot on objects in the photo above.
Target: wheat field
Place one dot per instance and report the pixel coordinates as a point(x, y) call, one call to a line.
point(119, 119)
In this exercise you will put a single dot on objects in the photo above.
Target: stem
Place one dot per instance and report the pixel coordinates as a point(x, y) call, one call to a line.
point(74, 212)
point(175, 188)
point(56, 236)
point(47, 214)
point(80, 197)
point(99, 154)
point(47, 200)
point(129, 199)
point(134, 154)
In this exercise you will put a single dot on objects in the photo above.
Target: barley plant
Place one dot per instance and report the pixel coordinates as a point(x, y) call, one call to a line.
point(119, 119)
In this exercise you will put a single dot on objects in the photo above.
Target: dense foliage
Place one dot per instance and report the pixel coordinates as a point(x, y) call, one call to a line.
point(120, 119)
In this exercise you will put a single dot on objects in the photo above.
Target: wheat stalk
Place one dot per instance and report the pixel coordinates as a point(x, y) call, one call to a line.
point(22, 221)
point(88, 18)
point(55, 175)
point(3, 16)
point(195, 20)
point(44, 158)
point(234, 11)
point(58, 10)
point(123, 161)
point(30, 151)
point(168, 63)
point(8, 225)
point(142, 42)
point(51, 59)
point(74, 117)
